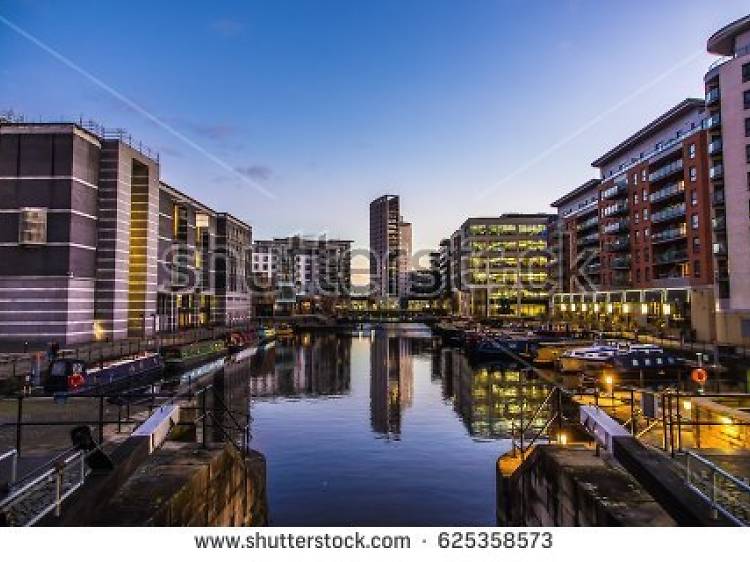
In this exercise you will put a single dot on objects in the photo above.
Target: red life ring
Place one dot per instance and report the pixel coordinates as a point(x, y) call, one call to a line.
point(699, 375)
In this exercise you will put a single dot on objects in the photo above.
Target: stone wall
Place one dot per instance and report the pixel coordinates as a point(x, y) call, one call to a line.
point(567, 486)
point(184, 484)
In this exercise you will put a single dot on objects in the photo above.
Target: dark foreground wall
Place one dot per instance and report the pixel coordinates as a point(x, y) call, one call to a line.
point(565, 486)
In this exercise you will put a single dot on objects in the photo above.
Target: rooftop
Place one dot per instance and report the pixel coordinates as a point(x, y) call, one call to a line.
point(723, 41)
point(580, 190)
point(682, 108)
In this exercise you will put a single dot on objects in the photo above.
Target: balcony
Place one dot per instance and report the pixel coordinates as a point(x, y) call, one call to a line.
point(620, 263)
point(666, 171)
point(719, 224)
point(620, 244)
point(588, 223)
point(589, 240)
point(670, 213)
point(617, 226)
point(593, 269)
point(720, 248)
point(616, 209)
point(713, 96)
point(619, 188)
point(715, 147)
point(716, 172)
point(717, 199)
point(712, 122)
point(669, 234)
point(667, 192)
point(671, 256)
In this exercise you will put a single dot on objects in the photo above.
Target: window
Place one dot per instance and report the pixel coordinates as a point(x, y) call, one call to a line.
point(747, 127)
point(696, 243)
point(692, 150)
point(635, 179)
point(694, 221)
point(693, 173)
point(696, 268)
point(746, 96)
point(32, 226)
point(746, 72)
point(643, 174)
point(645, 214)
point(637, 217)
point(635, 198)
point(694, 197)
point(645, 195)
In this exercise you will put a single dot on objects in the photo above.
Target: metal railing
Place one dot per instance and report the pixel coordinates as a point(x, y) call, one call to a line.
point(44, 493)
point(13, 456)
point(726, 493)
point(553, 401)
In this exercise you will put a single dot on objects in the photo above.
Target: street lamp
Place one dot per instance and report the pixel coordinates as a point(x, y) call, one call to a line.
point(609, 381)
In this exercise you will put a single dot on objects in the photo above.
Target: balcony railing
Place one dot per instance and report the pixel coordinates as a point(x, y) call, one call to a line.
point(717, 199)
point(589, 239)
point(711, 122)
point(719, 223)
point(616, 209)
point(715, 147)
point(621, 263)
point(588, 223)
point(670, 213)
point(720, 248)
point(617, 226)
point(671, 256)
point(666, 171)
point(667, 191)
point(619, 244)
point(712, 96)
point(620, 187)
point(669, 234)
point(716, 172)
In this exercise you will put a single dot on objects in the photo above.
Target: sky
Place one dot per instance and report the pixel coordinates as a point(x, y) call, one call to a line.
point(293, 115)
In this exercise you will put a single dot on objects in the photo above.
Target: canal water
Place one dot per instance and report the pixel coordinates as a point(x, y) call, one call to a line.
point(380, 428)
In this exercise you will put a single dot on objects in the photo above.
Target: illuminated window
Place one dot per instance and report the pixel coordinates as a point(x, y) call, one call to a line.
point(32, 226)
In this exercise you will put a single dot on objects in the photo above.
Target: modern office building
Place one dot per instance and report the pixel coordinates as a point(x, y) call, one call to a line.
point(77, 239)
point(233, 268)
point(390, 248)
point(500, 266)
point(94, 246)
point(727, 102)
point(639, 237)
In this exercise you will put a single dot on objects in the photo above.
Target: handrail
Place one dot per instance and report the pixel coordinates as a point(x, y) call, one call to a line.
point(713, 497)
point(12, 453)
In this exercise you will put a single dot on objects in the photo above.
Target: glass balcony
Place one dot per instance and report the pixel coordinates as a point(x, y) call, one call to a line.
point(620, 244)
point(669, 234)
point(616, 209)
point(712, 122)
point(589, 239)
point(588, 223)
point(667, 192)
point(619, 188)
point(717, 199)
point(671, 256)
point(617, 226)
point(666, 171)
point(720, 248)
point(719, 223)
point(715, 147)
point(670, 213)
point(621, 263)
point(713, 96)
point(716, 172)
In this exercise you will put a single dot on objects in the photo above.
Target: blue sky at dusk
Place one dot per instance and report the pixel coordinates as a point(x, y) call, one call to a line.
point(462, 108)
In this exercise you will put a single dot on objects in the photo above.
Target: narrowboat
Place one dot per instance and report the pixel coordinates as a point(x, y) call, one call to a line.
point(266, 335)
point(577, 359)
point(74, 376)
point(646, 360)
point(189, 355)
point(284, 331)
point(238, 340)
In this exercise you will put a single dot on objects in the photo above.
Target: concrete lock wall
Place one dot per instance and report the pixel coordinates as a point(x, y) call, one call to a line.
point(566, 486)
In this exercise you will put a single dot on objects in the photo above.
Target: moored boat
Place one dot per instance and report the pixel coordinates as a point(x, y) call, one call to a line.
point(284, 331)
point(191, 354)
point(74, 376)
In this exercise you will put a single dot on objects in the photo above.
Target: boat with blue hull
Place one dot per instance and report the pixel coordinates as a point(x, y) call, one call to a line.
point(74, 376)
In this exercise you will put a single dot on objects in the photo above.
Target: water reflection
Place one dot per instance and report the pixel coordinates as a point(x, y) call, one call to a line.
point(491, 398)
point(304, 367)
point(391, 383)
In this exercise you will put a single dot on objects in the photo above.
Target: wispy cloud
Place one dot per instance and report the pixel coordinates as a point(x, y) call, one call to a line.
point(257, 172)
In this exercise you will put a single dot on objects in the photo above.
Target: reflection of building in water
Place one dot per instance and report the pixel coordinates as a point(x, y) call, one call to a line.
point(489, 398)
point(317, 366)
point(391, 382)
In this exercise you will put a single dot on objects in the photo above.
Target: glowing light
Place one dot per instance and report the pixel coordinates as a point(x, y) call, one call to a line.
point(563, 439)
point(584, 307)
point(596, 307)
point(573, 308)
point(727, 421)
point(644, 308)
point(626, 308)
point(608, 380)
point(687, 405)
point(610, 308)
point(98, 330)
point(666, 309)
